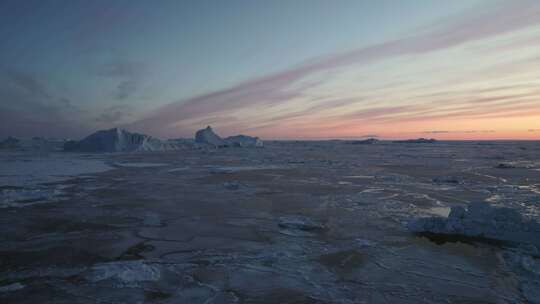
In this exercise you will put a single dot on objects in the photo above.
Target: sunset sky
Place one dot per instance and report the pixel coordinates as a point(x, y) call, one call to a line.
point(466, 69)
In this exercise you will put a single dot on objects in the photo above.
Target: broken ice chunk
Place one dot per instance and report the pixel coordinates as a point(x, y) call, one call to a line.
point(481, 220)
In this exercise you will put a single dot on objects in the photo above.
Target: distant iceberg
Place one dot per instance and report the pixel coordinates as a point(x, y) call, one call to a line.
point(120, 140)
point(31, 144)
point(369, 141)
point(207, 136)
point(416, 141)
point(244, 141)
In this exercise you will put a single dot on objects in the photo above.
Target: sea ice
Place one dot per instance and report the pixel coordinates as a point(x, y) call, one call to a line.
point(127, 272)
point(34, 169)
point(11, 287)
point(141, 165)
point(482, 220)
point(300, 223)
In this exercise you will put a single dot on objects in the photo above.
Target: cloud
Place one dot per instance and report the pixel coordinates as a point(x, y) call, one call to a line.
point(128, 74)
point(27, 83)
point(114, 114)
point(437, 132)
point(30, 108)
point(459, 131)
point(274, 90)
point(125, 89)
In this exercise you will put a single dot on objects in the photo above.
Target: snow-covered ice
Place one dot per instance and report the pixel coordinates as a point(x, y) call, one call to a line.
point(301, 222)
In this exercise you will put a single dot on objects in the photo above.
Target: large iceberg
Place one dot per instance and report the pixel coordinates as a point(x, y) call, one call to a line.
point(481, 220)
point(115, 140)
point(207, 136)
point(119, 140)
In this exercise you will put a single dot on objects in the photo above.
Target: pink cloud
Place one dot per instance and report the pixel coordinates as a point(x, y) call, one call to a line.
point(481, 23)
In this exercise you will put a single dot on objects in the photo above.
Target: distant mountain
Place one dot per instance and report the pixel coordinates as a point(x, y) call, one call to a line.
point(115, 140)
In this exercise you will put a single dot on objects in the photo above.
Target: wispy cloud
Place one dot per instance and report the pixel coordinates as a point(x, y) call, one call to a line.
point(459, 131)
point(31, 108)
point(128, 74)
point(277, 90)
point(114, 114)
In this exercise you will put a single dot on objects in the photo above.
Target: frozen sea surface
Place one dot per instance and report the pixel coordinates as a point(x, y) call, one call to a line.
point(294, 222)
point(19, 170)
point(30, 178)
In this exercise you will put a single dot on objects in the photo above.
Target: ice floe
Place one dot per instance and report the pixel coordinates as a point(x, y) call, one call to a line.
point(299, 225)
point(21, 197)
point(481, 220)
point(126, 272)
point(11, 287)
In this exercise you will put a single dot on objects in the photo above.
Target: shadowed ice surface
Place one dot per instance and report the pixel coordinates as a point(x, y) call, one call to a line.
point(293, 222)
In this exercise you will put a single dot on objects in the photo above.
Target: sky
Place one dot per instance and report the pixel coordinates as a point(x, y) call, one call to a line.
point(304, 69)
